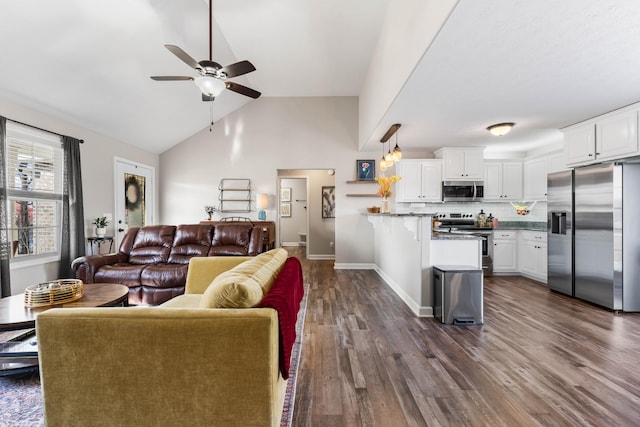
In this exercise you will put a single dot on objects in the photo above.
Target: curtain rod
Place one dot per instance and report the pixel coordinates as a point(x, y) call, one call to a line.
point(43, 130)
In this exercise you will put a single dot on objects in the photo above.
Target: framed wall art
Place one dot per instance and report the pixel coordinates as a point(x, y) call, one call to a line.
point(285, 210)
point(285, 194)
point(329, 202)
point(366, 170)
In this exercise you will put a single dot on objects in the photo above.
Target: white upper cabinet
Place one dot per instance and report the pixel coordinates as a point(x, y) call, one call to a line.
point(535, 174)
point(462, 164)
point(608, 137)
point(580, 144)
point(617, 136)
point(535, 179)
point(421, 180)
point(503, 180)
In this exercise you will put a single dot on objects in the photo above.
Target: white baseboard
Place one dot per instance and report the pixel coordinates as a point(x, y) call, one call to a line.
point(353, 266)
point(321, 257)
point(418, 310)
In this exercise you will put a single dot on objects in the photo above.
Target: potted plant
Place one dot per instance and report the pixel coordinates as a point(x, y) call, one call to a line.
point(101, 225)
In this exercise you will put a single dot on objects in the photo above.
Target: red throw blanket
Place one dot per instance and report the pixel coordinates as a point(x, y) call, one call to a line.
point(285, 296)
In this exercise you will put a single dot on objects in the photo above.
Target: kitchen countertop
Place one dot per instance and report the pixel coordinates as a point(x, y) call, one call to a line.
point(502, 225)
point(400, 214)
point(522, 225)
point(453, 236)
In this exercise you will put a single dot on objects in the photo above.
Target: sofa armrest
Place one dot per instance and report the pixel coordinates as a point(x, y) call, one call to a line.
point(160, 366)
point(256, 241)
point(202, 271)
point(85, 267)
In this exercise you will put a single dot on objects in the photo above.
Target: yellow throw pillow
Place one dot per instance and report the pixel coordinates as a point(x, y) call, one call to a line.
point(244, 285)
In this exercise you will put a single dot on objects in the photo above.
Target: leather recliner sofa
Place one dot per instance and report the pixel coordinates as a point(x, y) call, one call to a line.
point(153, 261)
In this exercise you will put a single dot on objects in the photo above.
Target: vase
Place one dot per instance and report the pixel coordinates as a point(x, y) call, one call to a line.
point(101, 231)
point(386, 206)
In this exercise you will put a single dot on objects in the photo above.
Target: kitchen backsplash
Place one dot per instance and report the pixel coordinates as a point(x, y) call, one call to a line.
point(504, 211)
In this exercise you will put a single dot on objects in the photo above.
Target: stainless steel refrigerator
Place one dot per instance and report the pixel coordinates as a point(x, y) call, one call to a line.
point(605, 226)
point(560, 232)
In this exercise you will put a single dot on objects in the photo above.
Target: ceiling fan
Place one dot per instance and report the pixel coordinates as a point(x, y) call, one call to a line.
point(212, 79)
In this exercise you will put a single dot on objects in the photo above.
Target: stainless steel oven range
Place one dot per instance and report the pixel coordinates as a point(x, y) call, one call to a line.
point(465, 223)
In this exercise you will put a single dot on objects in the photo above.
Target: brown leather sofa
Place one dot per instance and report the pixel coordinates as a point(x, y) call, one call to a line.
point(153, 261)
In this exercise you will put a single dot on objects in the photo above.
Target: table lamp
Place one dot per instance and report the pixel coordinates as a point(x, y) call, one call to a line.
point(262, 202)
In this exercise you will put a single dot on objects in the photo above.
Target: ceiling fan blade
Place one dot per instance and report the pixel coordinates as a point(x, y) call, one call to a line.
point(165, 78)
point(238, 69)
point(184, 56)
point(207, 98)
point(243, 90)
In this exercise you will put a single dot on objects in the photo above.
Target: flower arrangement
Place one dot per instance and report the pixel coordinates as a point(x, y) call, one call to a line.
point(210, 210)
point(101, 222)
point(384, 184)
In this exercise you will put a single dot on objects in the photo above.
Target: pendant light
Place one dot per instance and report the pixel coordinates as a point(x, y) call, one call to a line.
point(397, 152)
point(396, 155)
point(389, 157)
point(383, 161)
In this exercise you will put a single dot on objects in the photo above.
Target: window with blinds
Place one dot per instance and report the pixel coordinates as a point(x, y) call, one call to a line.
point(34, 190)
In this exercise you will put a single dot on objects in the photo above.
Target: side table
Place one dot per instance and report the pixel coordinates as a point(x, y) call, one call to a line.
point(99, 241)
point(19, 353)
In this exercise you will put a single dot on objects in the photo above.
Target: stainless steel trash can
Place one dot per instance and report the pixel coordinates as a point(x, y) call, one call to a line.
point(458, 294)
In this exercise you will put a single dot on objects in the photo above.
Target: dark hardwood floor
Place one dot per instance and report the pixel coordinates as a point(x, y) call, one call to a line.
point(540, 359)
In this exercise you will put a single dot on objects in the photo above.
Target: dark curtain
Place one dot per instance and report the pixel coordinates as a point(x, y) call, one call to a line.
point(73, 241)
point(5, 242)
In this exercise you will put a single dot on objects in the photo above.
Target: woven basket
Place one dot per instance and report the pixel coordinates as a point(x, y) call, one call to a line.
point(54, 292)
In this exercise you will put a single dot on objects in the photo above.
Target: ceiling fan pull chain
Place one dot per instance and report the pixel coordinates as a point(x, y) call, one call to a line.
point(211, 115)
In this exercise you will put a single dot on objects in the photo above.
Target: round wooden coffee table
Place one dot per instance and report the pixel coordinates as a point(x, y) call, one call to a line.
point(18, 354)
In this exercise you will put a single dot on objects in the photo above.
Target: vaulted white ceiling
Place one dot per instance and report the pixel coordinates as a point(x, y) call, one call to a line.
point(543, 64)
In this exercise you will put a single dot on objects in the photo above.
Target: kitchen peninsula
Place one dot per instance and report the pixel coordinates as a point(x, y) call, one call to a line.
point(406, 248)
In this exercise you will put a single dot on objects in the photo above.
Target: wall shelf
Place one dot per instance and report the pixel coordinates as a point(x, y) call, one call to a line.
point(365, 194)
point(235, 195)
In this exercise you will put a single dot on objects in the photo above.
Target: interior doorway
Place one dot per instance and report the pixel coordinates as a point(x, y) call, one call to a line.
point(293, 211)
point(306, 211)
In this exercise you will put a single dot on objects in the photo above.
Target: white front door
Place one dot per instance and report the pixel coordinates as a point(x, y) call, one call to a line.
point(134, 188)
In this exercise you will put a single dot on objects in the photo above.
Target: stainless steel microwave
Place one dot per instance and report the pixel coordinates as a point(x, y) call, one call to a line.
point(462, 191)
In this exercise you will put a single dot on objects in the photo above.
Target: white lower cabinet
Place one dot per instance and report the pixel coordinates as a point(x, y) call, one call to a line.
point(532, 254)
point(505, 258)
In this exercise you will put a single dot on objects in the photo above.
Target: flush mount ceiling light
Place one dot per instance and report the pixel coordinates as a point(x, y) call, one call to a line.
point(500, 129)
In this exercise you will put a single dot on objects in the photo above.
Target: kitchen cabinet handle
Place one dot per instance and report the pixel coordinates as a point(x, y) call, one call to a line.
point(590, 155)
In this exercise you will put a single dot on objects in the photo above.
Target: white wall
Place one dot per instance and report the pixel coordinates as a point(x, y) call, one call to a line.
point(409, 29)
point(97, 155)
point(256, 141)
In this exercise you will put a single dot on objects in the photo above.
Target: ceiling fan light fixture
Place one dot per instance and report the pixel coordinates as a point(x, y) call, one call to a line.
point(210, 85)
point(500, 129)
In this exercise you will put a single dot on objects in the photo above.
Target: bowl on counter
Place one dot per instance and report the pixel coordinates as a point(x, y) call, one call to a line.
point(373, 209)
